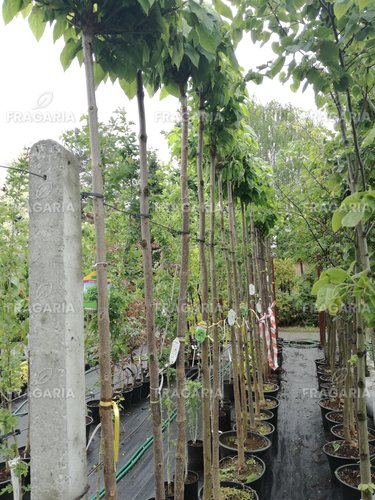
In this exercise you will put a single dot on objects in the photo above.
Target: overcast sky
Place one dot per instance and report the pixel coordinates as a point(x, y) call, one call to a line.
point(38, 100)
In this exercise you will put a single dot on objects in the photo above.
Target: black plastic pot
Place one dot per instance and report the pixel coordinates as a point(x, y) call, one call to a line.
point(146, 387)
point(137, 392)
point(257, 483)
point(93, 409)
point(89, 421)
point(228, 390)
point(191, 487)
point(237, 486)
point(4, 484)
point(127, 398)
point(226, 450)
point(195, 455)
point(336, 461)
point(336, 427)
point(225, 423)
point(330, 423)
point(349, 492)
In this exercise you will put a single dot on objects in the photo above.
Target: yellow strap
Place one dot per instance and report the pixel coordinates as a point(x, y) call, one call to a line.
point(116, 414)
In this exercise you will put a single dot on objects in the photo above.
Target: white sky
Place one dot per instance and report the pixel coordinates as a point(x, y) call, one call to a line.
point(38, 100)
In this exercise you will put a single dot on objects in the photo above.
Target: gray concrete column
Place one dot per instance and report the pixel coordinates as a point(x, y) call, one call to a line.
point(57, 384)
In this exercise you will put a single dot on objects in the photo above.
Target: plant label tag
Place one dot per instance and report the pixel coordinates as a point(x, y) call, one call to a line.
point(258, 307)
point(201, 331)
point(251, 289)
point(231, 317)
point(174, 351)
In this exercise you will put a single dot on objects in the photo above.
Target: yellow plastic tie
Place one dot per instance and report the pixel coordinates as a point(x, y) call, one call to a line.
point(116, 414)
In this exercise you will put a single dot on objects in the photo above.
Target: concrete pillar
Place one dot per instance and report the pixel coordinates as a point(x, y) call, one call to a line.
point(57, 384)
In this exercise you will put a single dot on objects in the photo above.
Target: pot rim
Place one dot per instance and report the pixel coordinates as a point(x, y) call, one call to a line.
point(342, 425)
point(345, 467)
point(258, 459)
point(264, 448)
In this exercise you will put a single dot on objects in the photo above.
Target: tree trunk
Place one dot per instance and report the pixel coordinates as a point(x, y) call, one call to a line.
point(206, 413)
point(236, 359)
point(247, 333)
point(180, 471)
point(101, 271)
point(216, 348)
point(149, 298)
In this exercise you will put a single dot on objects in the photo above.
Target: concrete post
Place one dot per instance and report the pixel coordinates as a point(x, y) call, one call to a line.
point(57, 383)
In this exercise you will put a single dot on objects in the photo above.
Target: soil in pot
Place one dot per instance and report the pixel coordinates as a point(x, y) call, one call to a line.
point(334, 418)
point(338, 432)
point(327, 405)
point(262, 427)
point(255, 444)
point(265, 415)
point(251, 476)
point(234, 491)
point(93, 410)
point(349, 478)
point(270, 388)
point(195, 455)
point(340, 453)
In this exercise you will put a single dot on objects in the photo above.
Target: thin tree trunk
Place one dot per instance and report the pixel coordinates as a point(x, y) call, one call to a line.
point(149, 298)
point(216, 347)
point(235, 338)
point(224, 247)
point(180, 471)
point(258, 339)
point(101, 271)
point(247, 333)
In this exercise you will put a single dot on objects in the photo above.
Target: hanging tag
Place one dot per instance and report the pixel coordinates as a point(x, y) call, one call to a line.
point(258, 307)
point(251, 289)
point(201, 331)
point(174, 351)
point(231, 317)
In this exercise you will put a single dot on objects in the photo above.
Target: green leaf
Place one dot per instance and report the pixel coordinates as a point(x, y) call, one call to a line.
point(10, 9)
point(369, 139)
point(192, 55)
point(223, 9)
point(59, 28)
point(336, 275)
point(351, 219)
point(69, 52)
point(99, 75)
point(36, 22)
point(276, 66)
point(206, 39)
point(337, 218)
point(130, 88)
point(341, 7)
point(146, 5)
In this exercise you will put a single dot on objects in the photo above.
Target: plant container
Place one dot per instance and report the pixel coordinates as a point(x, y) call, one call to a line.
point(195, 455)
point(256, 481)
point(255, 444)
point(350, 473)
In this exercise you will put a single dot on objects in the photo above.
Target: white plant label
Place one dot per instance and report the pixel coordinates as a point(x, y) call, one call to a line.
point(231, 317)
point(258, 307)
point(174, 351)
point(251, 289)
